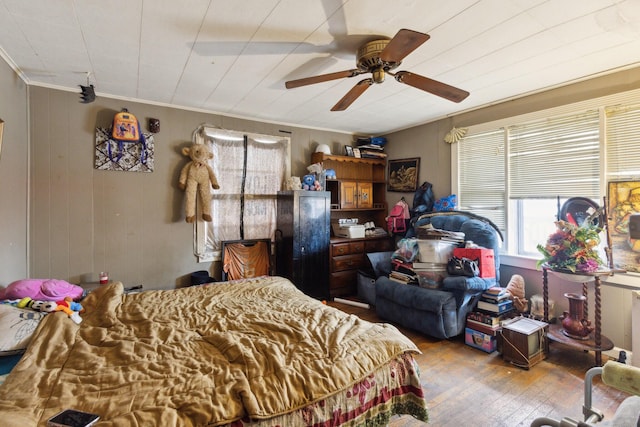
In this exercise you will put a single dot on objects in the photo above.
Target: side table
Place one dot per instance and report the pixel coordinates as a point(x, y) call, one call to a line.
point(92, 286)
point(89, 287)
point(596, 341)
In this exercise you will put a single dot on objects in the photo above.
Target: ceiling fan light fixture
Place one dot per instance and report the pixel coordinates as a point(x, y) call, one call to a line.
point(378, 75)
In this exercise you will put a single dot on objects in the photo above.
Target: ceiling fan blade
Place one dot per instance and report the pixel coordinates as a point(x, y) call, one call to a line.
point(402, 44)
point(322, 78)
point(352, 95)
point(432, 86)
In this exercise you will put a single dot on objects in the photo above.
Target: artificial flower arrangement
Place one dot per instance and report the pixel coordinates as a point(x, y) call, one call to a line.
point(572, 248)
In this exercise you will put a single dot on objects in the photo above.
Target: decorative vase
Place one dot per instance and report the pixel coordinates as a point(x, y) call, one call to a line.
point(574, 325)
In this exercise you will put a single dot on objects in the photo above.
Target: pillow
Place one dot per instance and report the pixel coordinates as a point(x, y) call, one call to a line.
point(16, 327)
point(41, 289)
point(445, 204)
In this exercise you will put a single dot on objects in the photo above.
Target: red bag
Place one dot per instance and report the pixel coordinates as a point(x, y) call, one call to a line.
point(398, 218)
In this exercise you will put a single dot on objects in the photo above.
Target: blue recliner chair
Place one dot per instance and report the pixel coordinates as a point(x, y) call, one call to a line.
point(440, 313)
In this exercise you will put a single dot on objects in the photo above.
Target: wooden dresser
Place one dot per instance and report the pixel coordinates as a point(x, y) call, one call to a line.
point(349, 255)
point(357, 191)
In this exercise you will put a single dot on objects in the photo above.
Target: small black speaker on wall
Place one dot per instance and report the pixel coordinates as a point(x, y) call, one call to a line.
point(634, 226)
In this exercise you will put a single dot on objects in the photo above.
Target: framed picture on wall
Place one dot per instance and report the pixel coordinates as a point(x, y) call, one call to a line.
point(403, 175)
point(623, 201)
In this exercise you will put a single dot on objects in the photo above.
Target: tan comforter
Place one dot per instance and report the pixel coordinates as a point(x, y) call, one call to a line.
point(203, 355)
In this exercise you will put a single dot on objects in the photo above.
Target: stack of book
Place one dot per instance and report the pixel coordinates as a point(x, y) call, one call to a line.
point(483, 322)
point(495, 301)
point(403, 278)
point(372, 148)
point(372, 152)
point(429, 232)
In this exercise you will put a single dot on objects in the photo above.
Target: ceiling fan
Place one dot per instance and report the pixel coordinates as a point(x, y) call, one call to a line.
point(380, 57)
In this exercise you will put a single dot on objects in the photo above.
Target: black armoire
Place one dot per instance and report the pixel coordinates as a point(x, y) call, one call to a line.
point(302, 240)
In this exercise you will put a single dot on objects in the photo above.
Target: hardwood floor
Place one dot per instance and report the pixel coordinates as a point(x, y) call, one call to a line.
point(468, 387)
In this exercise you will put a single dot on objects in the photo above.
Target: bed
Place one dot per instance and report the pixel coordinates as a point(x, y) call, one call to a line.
point(252, 352)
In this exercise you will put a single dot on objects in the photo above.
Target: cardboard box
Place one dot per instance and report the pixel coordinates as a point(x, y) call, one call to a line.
point(485, 257)
point(480, 340)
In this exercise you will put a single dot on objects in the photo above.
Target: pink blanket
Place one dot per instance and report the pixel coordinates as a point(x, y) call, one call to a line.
point(41, 289)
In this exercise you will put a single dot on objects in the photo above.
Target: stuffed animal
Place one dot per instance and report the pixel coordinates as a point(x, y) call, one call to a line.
point(196, 177)
point(308, 182)
point(293, 183)
point(37, 305)
point(73, 309)
point(330, 174)
point(515, 288)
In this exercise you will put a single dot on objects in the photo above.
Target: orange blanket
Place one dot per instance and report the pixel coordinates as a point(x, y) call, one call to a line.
point(206, 355)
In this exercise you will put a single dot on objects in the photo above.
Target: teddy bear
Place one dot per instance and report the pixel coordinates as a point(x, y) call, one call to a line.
point(293, 183)
point(196, 177)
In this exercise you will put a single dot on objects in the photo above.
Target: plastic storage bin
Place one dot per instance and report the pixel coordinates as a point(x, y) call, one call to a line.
point(435, 251)
point(431, 277)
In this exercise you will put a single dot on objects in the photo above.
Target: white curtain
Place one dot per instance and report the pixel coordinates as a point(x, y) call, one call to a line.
point(250, 169)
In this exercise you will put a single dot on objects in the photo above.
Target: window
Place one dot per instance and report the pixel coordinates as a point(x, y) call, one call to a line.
point(519, 174)
point(623, 150)
point(251, 170)
point(481, 180)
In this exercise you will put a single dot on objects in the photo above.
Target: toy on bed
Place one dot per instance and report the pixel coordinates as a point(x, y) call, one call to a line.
point(66, 305)
point(73, 309)
point(195, 178)
point(37, 305)
point(41, 289)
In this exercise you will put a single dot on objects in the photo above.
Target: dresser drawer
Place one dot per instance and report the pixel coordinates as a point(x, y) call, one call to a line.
point(347, 248)
point(356, 247)
point(338, 249)
point(347, 262)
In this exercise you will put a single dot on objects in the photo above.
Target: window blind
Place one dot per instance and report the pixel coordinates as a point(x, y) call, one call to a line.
point(482, 176)
point(559, 156)
point(622, 126)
